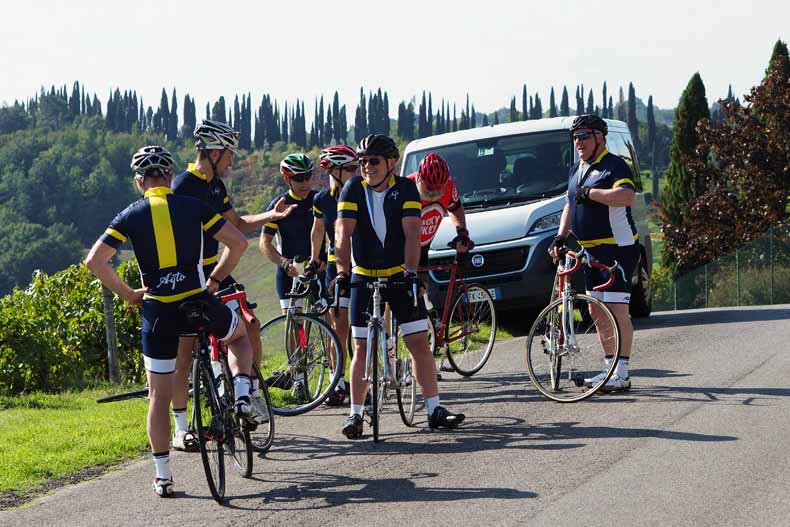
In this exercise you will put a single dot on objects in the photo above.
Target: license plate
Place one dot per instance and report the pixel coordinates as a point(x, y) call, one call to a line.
point(477, 296)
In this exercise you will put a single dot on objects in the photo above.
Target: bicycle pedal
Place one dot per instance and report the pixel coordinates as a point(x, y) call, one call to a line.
point(448, 369)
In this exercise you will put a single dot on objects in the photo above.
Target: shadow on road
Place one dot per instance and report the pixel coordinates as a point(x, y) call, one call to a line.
point(673, 319)
point(333, 490)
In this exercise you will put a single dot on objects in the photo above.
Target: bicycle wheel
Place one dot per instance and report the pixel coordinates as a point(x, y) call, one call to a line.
point(237, 434)
point(558, 362)
point(296, 362)
point(125, 396)
point(377, 379)
point(471, 330)
point(263, 435)
point(406, 390)
point(210, 427)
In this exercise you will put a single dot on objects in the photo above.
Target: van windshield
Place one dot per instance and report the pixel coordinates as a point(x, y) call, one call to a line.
point(506, 169)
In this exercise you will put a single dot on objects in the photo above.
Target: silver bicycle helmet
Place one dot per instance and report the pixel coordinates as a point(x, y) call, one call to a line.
point(213, 135)
point(150, 158)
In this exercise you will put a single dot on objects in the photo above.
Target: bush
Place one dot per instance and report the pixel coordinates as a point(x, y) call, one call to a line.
point(52, 334)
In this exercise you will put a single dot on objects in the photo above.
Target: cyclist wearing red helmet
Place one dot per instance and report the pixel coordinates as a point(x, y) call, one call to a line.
point(439, 198)
point(340, 161)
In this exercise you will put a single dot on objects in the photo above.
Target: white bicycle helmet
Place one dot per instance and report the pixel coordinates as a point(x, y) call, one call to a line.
point(152, 157)
point(213, 135)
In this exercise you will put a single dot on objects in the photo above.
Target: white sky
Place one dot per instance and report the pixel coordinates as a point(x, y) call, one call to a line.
point(305, 48)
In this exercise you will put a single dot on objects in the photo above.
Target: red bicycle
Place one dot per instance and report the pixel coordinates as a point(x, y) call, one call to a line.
point(467, 330)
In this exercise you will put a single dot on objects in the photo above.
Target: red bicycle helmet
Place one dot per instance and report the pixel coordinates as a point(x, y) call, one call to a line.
point(434, 172)
point(337, 155)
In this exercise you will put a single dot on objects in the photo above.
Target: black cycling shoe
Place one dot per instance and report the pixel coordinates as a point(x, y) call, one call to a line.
point(353, 427)
point(278, 379)
point(442, 418)
point(336, 398)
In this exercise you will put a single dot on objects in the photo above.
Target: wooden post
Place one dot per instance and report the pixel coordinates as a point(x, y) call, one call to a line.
point(109, 326)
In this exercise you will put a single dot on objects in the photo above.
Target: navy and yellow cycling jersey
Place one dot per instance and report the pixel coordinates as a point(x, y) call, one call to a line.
point(212, 193)
point(293, 231)
point(378, 243)
point(325, 209)
point(595, 224)
point(166, 232)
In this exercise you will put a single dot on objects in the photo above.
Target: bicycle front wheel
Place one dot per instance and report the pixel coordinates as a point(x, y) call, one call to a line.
point(237, 434)
point(406, 389)
point(263, 435)
point(296, 362)
point(376, 381)
point(471, 330)
point(565, 354)
point(210, 427)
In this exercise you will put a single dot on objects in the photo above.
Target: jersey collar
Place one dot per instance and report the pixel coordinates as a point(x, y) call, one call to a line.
point(600, 156)
point(390, 183)
point(158, 191)
point(293, 195)
point(192, 169)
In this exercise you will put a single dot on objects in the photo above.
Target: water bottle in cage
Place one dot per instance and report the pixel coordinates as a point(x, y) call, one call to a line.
point(216, 366)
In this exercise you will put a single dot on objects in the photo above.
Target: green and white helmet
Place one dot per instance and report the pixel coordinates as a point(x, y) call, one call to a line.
point(150, 158)
point(214, 135)
point(296, 164)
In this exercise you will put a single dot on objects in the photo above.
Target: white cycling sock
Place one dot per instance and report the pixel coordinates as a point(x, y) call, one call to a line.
point(241, 385)
point(431, 403)
point(162, 462)
point(622, 368)
point(180, 417)
point(255, 386)
point(357, 409)
point(341, 383)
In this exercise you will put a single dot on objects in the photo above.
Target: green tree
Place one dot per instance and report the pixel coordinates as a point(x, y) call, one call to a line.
point(513, 111)
point(552, 104)
point(565, 109)
point(651, 127)
point(633, 123)
point(683, 186)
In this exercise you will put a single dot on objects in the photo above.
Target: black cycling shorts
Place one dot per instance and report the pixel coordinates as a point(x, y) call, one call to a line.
point(163, 323)
point(620, 292)
point(410, 318)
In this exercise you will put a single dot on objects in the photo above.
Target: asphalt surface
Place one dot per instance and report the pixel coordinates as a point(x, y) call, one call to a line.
point(701, 439)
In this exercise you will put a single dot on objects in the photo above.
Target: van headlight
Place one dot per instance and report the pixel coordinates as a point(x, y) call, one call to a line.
point(546, 223)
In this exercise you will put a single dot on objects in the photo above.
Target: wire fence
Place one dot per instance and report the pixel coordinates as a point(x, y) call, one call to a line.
point(758, 273)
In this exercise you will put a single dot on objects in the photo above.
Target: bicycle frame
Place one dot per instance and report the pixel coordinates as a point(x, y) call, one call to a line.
point(456, 275)
point(377, 322)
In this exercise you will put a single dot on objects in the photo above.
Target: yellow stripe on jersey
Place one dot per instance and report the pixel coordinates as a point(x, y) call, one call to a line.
point(173, 298)
point(412, 205)
point(115, 234)
point(347, 205)
point(209, 261)
point(601, 241)
point(163, 231)
point(626, 181)
point(379, 273)
point(317, 210)
point(211, 222)
point(272, 226)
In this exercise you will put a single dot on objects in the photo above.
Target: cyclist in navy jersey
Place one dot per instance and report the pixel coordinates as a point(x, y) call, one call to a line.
point(166, 232)
point(216, 144)
point(340, 161)
point(379, 223)
point(598, 212)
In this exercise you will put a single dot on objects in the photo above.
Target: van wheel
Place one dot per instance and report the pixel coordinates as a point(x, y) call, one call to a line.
point(642, 293)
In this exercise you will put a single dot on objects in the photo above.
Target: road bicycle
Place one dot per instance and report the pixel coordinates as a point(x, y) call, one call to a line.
point(467, 329)
point(570, 337)
point(387, 372)
point(300, 350)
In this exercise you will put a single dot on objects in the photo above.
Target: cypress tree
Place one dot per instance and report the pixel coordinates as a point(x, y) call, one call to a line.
point(604, 111)
point(524, 109)
point(342, 133)
point(621, 107)
point(590, 104)
point(633, 122)
point(565, 109)
point(513, 111)
point(779, 53)
point(538, 107)
point(164, 115)
point(328, 131)
point(172, 126)
point(336, 117)
point(473, 118)
point(284, 125)
point(455, 121)
point(552, 104)
point(319, 120)
point(429, 115)
point(386, 114)
point(611, 108)
point(579, 101)
point(651, 126)
point(485, 119)
point(496, 117)
point(422, 122)
point(681, 186)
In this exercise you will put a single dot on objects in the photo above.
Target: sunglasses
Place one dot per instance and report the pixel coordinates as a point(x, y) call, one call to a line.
point(373, 161)
point(351, 168)
point(301, 178)
point(582, 136)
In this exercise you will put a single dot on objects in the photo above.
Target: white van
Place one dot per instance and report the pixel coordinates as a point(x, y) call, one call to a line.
point(513, 180)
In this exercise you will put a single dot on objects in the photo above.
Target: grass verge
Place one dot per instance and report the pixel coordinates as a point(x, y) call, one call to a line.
point(47, 437)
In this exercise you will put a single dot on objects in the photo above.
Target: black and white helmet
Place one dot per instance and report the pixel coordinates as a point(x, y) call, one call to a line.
point(152, 158)
point(214, 135)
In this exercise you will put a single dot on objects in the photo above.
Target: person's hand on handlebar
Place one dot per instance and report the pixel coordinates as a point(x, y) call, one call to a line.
point(462, 243)
point(312, 268)
point(289, 268)
point(411, 279)
point(340, 284)
point(559, 242)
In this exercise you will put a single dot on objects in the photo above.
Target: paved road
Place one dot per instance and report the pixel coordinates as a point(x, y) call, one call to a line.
point(701, 439)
